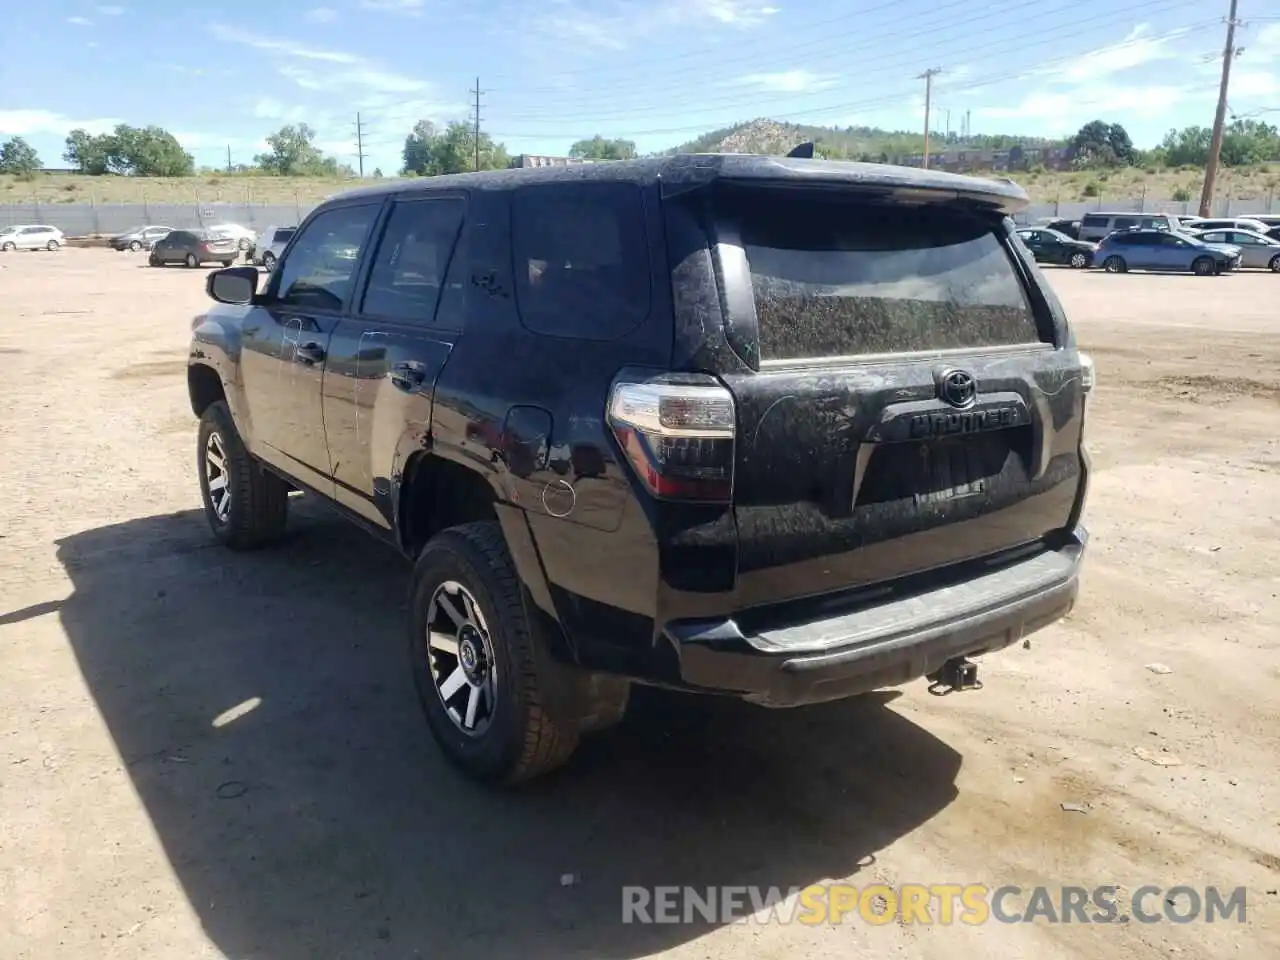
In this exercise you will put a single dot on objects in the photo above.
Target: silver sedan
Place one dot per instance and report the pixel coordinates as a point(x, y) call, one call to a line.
point(1256, 250)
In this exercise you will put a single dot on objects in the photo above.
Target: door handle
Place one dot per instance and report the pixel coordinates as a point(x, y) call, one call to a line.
point(408, 374)
point(310, 352)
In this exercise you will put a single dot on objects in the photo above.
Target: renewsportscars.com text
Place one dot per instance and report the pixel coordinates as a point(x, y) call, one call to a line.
point(939, 903)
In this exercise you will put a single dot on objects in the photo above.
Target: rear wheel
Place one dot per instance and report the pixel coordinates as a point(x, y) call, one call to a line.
point(1079, 261)
point(226, 263)
point(192, 260)
point(1203, 267)
point(268, 260)
point(7, 246)
point(52, 245)
point(135, 245)
point(244, 244)
point(1275, 264)
point(1115, 264)
point(246, 505)
point(480, 672)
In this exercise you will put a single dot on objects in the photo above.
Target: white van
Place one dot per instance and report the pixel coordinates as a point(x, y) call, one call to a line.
point(1095, 226)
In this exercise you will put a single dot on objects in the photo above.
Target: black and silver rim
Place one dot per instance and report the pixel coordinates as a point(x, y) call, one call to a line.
point(460, 658)
point(215, 477)
point(1078, 260)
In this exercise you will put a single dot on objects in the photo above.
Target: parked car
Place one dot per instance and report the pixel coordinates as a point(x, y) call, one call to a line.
point(1256, 249)
point(1161, 250)
point(1068, 228)
point(792, 468)
point(1095, 226)
point(1270, 220)
point(139, 238)
point(1050, 246)
point(243, 236)
point(193, 247)
point(269, 245)
point(1225, 223)
point(31, 236)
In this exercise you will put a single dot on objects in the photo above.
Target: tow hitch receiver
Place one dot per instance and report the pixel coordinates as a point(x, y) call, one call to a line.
point(958, 673)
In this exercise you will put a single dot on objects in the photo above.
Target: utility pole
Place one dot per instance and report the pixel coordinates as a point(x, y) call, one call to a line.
point(228, 158)
point(968, 132)
point(927, 77)
point(948, 124)
point(360, 144)
point(1220, 118)
point(476, 130)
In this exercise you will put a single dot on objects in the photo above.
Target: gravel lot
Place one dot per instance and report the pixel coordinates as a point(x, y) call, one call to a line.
point(138, 819)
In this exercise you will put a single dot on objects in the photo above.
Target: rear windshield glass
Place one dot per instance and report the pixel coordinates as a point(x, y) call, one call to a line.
point(837, 278)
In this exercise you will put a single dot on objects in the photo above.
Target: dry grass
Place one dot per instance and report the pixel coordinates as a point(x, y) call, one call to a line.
point(1260, 183)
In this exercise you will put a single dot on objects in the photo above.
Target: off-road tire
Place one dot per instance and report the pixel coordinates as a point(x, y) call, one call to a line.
point(259, 498)
point(523, 740)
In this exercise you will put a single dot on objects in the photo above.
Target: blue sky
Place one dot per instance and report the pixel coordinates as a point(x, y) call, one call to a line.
point(655, 71)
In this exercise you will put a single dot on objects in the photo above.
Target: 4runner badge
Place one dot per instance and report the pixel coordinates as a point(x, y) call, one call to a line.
point(957, 387)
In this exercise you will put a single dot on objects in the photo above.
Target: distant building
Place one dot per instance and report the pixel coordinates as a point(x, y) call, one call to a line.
point(967, 159)
point(533, 160)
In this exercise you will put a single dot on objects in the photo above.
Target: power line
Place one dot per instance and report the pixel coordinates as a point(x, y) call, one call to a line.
point(888, 63)
point(1229, 52)
point(927, 77)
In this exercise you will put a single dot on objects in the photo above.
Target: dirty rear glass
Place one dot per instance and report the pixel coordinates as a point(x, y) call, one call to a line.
point(838, 278)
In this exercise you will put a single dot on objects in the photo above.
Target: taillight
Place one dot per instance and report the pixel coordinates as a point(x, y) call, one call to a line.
point(678, 436)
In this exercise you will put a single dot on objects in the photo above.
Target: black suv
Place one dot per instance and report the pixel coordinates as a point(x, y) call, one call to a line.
point(788, 430)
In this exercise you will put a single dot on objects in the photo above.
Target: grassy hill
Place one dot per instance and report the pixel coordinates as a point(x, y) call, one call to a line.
point(1257, 183)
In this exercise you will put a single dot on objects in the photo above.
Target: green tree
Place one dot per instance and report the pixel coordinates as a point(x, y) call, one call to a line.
point(1100, 144)
point(295, 154)
point(598, 148)
point(1187, 147)
point(137, 151)
point(87, 153)
point(18, 157)
point(430, 152)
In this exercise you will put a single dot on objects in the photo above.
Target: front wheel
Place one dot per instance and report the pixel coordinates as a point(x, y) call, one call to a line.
point(8, 246)
point(246, 505)
point(135, 245)
point(1275, 264)
point(1204, 267)
point(480, 671)
point(226, 263)
point(51, 246)
point(244, 244)
point(1079, 261)
point(1114, 265)
point(192, 260)
point(268, 261)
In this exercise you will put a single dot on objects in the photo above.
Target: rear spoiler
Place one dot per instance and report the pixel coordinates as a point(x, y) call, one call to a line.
point(903, 184)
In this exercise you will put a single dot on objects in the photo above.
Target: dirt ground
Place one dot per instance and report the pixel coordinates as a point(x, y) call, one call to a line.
point(208, 755)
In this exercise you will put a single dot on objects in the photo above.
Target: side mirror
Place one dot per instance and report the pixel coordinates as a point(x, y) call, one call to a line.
point(234, 285)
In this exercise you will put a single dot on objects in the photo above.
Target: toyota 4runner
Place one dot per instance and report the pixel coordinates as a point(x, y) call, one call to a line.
point(782, 429)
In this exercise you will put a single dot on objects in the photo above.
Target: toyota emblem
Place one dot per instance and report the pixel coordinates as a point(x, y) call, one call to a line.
point(957, 387)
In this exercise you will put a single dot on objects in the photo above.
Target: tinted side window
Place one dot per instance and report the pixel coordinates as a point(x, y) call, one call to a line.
point(1092, 220)
point(1122, 239)
point(321, 265)
point(581, 259)
point(1124, 223)
point(413, 259)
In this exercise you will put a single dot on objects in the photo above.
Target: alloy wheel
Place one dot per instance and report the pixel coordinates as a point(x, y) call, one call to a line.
point(460, 656)
point(216, 479)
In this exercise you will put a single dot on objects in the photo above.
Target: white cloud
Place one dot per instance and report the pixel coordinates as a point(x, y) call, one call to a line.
point(1065, 108)
point(111, 10)
point(23, 122)
point(1254, 83)
point(359, 71)
point(269, 109)
point(80, 21)
point(1135, 50)
point(789, 81)
point(616, 24)
point(321, 15)
point(408, 8)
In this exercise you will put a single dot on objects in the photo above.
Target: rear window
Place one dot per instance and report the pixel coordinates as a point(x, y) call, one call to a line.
point(283, 235)
point(839, 278)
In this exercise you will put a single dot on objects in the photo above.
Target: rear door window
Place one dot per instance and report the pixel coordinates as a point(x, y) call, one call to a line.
point(834, 278)
point(413, 260)
point(581, 259)
point(1092, 220)
point(1124, 223)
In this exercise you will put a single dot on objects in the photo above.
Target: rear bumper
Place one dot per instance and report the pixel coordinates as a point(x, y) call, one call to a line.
point(881, 644)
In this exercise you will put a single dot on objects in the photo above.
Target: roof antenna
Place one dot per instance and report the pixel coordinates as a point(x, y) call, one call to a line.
point(803, 151)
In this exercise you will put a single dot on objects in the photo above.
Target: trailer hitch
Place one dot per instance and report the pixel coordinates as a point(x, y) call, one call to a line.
point(958, 673)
